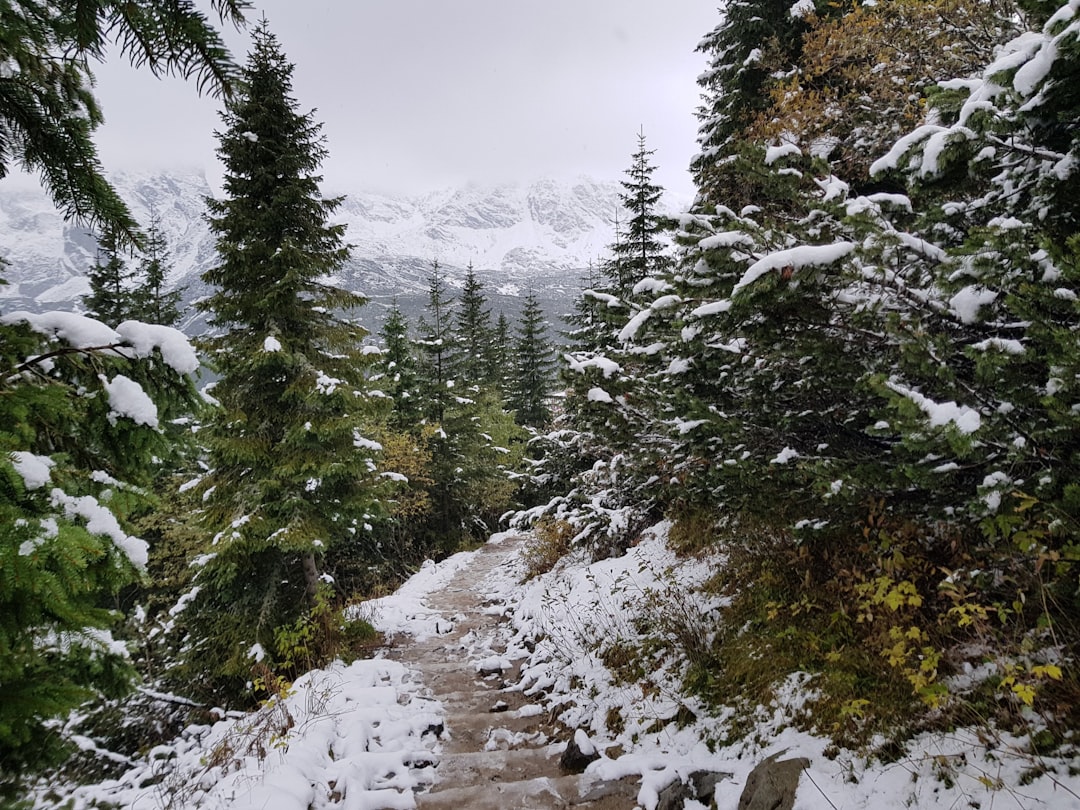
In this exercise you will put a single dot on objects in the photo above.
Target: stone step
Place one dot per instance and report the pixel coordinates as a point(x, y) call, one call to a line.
point(537, 793)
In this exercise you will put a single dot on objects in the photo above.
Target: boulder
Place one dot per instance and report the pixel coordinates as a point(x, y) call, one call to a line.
point(772, 784)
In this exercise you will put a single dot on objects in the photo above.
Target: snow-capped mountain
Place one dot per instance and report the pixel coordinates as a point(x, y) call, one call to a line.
point(540, 236)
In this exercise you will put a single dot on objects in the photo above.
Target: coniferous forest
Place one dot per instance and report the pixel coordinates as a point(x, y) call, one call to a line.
point(848, 376)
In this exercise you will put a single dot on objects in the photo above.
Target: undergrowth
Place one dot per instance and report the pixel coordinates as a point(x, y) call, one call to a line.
point(901, 628)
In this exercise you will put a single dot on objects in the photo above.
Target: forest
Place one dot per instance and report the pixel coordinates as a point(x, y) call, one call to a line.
point(851, 368)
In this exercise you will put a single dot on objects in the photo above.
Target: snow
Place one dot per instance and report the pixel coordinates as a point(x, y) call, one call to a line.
point(966, 303)
point(964, 419)
point(128, 399)
point(1002, 345)
point(76, 330)
point(271, 344)
point(598, 395)
point(173, 344)
point(364, 730)
point(629, 332)
point(796, 258)
point(651, 285)
point(725, 239)
point(891, 159)
point(406, 611)
point(33, 468)
point(101, 521)
point(609, 368)
point(802, 8)
point(785, 455)
point(714, 308)
point(361, 731)
point(1032, 73)
point(774, 153)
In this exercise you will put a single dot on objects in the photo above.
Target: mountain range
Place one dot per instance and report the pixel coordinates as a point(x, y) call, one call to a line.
point(540, 236)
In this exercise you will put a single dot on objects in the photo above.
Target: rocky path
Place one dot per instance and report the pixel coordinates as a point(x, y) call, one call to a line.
point(499, 751)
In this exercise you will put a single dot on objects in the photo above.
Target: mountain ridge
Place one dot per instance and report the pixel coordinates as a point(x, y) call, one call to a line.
point(540, 235)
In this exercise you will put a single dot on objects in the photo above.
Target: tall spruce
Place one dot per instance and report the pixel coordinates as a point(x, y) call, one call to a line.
point(152, 302)
point(535, 365)
point(638, 251)
point(399, 373)
point(473, 335)
point(292, 471)
point(435, 340)
point(733, 90)
point(111, 299)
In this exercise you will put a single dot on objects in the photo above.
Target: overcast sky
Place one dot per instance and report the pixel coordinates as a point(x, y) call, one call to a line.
point(416, 95)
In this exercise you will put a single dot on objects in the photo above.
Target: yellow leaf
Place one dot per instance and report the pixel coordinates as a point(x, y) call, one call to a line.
point(1024, 691)
point(1051, 671)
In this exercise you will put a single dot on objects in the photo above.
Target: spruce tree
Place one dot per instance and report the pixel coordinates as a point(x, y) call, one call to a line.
point(473, 335)
point(398, 372)
point(586, 328)
point(152, 302)
point(638, 251)
point(292, 470)
point(733, 86)
point(534, 365)
point(435, 340)
point(111, 299)
point(500, 354)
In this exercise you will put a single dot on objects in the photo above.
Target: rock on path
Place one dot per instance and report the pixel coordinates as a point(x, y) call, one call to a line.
point(498, 753)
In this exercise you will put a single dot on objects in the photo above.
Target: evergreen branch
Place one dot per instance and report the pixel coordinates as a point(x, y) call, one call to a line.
point(28, 365)
point(1024, 149)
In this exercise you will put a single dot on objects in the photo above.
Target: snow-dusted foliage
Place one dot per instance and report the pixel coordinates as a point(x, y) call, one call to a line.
point(83, 412)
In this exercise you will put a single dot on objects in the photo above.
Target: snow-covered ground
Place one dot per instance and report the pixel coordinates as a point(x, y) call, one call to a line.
point(363, 736)
point(565, 616)
point(357, 737)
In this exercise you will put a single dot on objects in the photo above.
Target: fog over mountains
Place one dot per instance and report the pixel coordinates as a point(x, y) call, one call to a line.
point(540, 236)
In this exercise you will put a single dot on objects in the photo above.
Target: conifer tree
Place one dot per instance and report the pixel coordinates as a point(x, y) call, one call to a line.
point(638, 251)
point(111, 299)
point(152, 302)
point(292, 462)
point(399, 374)
point(500, 355)
point(473, 335)
point(587, 328)
point(535, 364)
point(435, 341)
point(80, 403)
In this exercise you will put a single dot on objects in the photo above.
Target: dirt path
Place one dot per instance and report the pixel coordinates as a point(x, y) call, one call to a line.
point(499, 751)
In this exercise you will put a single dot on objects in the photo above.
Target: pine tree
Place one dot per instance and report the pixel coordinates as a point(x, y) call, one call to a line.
point(535, 366)
point(435, 341)
point(473, 335)
point(733, 88)
point(292, 465)
point(111, 299)
point(500, 355)
point(638, 252)
point(399, 374)
point(153, 303)
point(587, 328)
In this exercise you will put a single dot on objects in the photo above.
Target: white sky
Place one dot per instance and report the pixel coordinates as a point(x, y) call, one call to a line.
point(416, 95)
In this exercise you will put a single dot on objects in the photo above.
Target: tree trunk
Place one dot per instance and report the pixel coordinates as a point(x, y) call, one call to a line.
point(311, 576)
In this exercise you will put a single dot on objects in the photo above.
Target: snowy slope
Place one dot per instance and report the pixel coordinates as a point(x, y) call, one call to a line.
point(539, 235)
